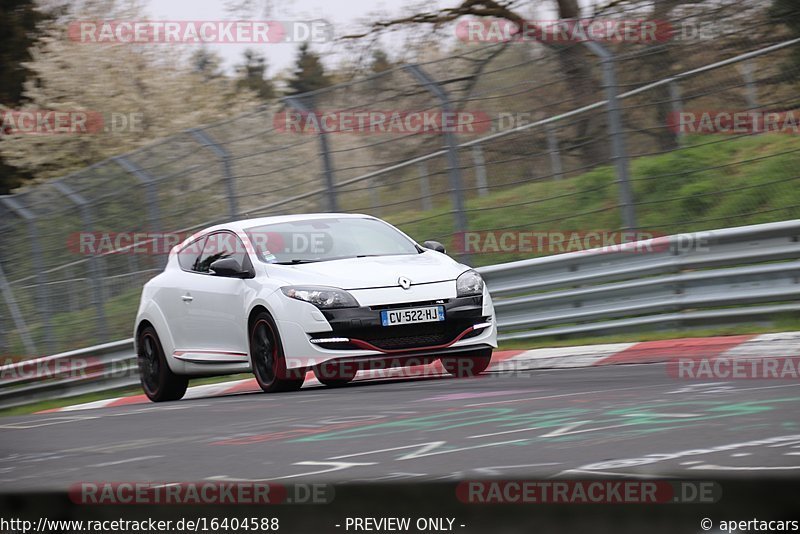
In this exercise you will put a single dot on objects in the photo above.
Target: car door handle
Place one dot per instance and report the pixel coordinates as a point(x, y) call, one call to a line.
point(187, 298)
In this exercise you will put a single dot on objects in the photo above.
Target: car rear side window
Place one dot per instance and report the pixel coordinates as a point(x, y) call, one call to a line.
point(221, 245)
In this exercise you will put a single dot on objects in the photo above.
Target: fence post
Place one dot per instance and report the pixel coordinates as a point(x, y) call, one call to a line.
point(225, 158)
point(94, 267)
point(4, 345)
point(37, 258)
point(454, 172)
point(297, 103)
point(425, 187)
point(149, 181)
point(676, 103)
point(480, 170)
point(618, 151)
point(374, 197)
point(16, 315)
point(554, 151)
point(746, 68)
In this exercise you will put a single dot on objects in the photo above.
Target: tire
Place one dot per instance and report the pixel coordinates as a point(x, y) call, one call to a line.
point(334, 374)
point(159, 383)
point(470, 364)
point(266, 356)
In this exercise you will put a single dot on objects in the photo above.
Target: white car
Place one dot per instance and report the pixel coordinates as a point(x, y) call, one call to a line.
point(333, 293)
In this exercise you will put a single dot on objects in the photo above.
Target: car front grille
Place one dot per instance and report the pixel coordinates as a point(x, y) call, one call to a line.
point(408, 342)
point(404, 336)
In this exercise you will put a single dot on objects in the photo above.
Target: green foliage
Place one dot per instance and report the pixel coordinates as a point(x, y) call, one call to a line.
point(154, 84)
point(18, 27)
point(206, 63)
point(252, 75)
point(787, 12)
point(716, 182)
point(309, 73)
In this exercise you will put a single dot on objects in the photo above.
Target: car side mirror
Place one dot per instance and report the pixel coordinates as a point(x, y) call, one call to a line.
point(228, 267)
point(434, 245)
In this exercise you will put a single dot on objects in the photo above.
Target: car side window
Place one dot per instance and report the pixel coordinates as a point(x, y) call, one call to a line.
point(221, 245)
point(189, 255)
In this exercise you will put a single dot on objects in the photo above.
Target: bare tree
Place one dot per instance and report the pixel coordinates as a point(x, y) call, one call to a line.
point(572, 59)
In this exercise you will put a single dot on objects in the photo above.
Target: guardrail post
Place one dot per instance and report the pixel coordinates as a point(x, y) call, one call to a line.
point(297, 103)
point(480, 170)
point(37, 259)
point(618, 151)
point(454, 171)
point(225, 158)
point(95, 269)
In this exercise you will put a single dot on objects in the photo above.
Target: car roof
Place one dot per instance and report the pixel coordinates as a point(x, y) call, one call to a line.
point(244, 224)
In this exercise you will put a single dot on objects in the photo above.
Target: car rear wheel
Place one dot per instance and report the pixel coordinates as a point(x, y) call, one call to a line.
point(468, 364)
point(158, 381)
point(334, 374)
point(269, 363)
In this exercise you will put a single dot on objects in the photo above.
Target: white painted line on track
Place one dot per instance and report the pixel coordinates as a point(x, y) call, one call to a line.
point(35, 423)
point(128, 460)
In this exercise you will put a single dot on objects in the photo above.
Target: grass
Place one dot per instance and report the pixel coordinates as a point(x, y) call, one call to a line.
point(69, 401)
point(77, 329)
point(101, 395)
point(721, 182)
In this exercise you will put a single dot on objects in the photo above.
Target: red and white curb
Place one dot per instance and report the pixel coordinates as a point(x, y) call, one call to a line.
point(782, 345)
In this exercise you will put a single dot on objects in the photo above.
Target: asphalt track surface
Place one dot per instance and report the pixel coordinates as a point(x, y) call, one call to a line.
point(612, 421)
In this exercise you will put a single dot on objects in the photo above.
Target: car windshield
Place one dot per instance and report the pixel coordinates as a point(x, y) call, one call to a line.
point(327, 239)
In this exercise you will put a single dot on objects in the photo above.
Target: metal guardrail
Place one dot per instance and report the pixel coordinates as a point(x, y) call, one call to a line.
point(742, 274)
point(77, 372)
point(717, 276)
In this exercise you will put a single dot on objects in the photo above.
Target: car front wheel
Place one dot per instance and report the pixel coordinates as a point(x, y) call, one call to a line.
point(158, 381)
point(469, 364)
point(269, 364)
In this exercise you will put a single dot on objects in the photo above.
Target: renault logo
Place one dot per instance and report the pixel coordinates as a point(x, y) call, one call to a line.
point(404, 282)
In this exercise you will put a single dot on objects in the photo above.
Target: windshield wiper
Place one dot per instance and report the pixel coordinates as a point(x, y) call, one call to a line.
point(294, 262)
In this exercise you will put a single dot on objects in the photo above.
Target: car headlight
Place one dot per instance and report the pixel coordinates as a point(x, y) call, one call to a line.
point(469, 284)
point(321, 297)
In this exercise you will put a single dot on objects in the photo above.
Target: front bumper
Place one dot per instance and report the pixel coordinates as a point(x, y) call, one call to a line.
point(357, 334)
point(363, 329)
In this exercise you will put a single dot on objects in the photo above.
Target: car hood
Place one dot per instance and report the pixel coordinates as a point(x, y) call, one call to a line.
point(371, 272)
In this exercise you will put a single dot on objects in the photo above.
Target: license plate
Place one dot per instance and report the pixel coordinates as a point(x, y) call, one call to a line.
point(430, 314)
